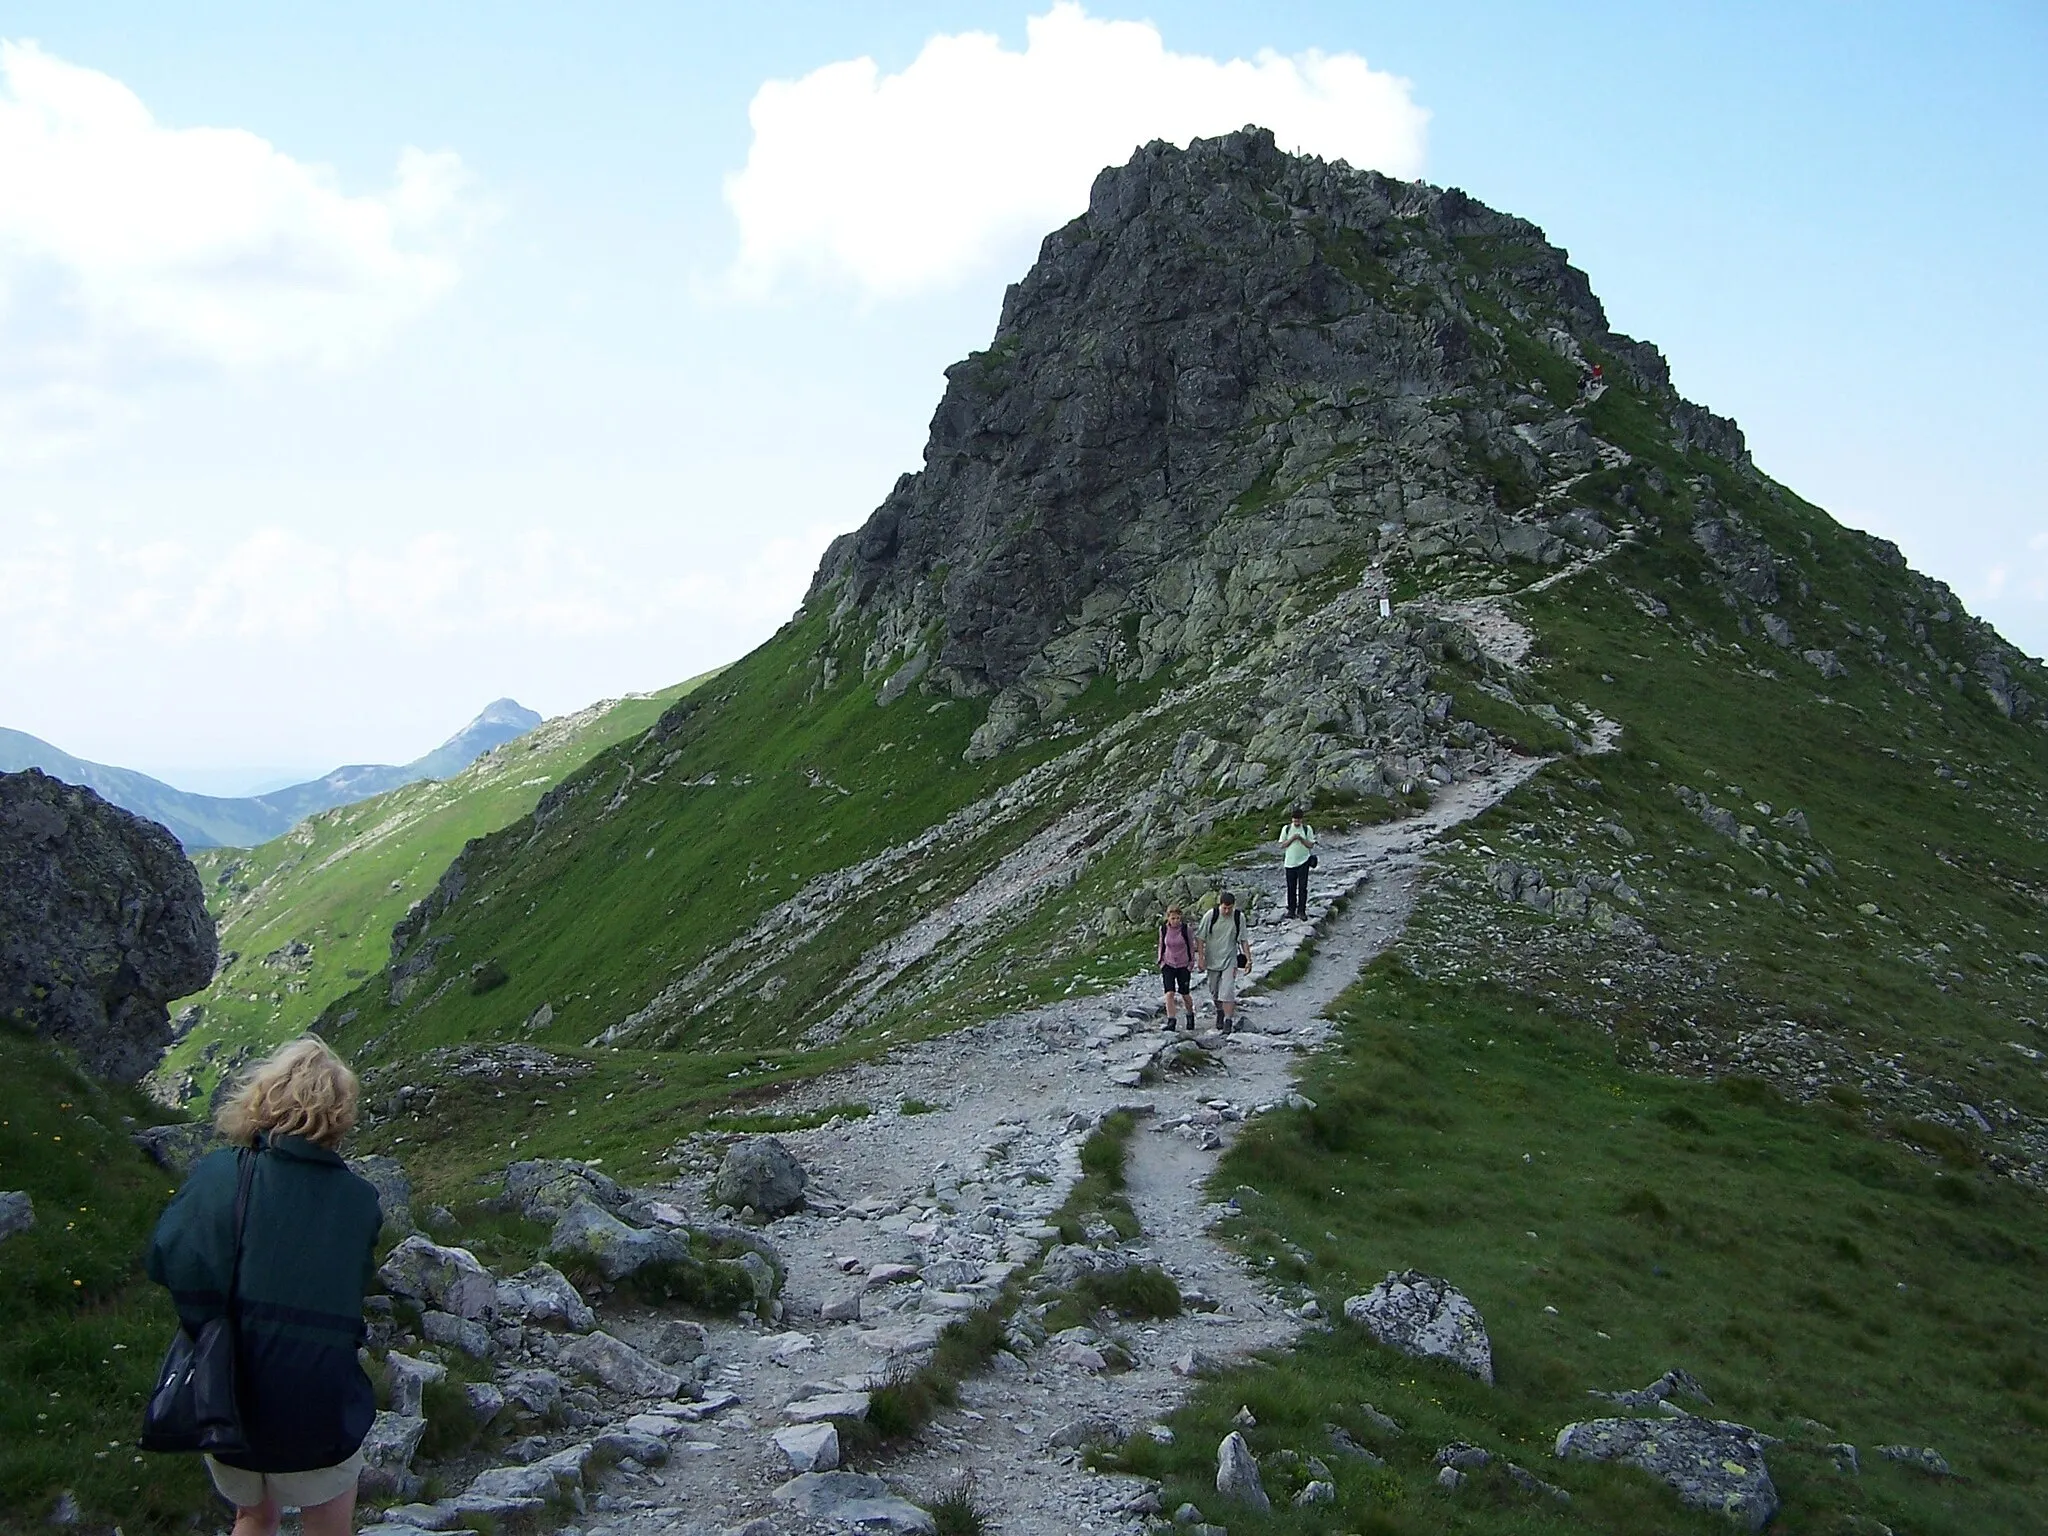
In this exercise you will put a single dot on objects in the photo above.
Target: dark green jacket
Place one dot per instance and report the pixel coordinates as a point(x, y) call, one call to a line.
point(308, 1253)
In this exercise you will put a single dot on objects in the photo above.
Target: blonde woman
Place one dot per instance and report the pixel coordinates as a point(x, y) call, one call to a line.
point(308, 1252)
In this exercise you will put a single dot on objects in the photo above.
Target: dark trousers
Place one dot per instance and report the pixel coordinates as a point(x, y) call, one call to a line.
point(1297, 891)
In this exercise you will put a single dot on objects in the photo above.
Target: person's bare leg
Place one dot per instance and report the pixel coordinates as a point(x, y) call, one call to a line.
point(334, 1518)
point(258, 1519)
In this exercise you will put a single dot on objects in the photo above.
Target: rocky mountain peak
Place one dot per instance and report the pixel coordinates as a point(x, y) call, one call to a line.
point(1237, 366)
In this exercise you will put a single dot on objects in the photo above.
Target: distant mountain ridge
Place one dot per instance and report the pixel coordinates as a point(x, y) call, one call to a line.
point(213, 821)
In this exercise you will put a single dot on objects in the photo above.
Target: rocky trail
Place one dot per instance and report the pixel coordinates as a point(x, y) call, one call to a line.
point(916, 1213)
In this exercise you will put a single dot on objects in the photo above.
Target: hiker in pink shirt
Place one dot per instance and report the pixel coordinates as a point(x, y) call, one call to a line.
point(1177, 964)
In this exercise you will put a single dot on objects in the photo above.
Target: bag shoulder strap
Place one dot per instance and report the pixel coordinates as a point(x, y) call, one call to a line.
point(245, 1176)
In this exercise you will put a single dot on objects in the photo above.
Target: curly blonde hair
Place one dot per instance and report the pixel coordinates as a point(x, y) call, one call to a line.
point(300, 1089)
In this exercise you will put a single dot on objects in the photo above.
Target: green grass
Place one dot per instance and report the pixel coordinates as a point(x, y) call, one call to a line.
point(597, 913)
point(81, 1330)
point(452, 1429)
point(1799, 1267)
point(340, 880)
point(625, 1110)
point(769, 1123)
point(1141, 1291)
point(1099, 1192)
point(957, 1512)
point(1292, 969)
point(1956, 878)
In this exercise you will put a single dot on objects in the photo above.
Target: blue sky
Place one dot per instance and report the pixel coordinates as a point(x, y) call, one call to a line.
point(519, 404)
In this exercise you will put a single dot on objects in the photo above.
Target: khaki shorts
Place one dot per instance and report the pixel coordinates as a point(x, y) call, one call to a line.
point(291, 1490)
point(1223, 985)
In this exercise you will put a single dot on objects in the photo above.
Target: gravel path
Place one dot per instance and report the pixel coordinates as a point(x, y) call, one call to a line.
point(957, 1194)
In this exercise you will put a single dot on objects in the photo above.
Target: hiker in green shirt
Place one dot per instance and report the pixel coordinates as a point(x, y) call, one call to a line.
point(1298, 856)
point(1222, 950)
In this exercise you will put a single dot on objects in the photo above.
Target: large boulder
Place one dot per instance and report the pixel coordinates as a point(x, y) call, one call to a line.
point(409, 1379)
point(103, 923)
point(1709, 1463)
point(545, 1188)
point(388, 1450)
point(176, 1148)
point(809, 1447)
point(1428, 1317)
point(387, 1176)
point(1237, 1473)
point(760, 1172)
point(587, 1231)
point(851, 1498)
point(446, 1279)
point(619, 1366)
point(542, 1296)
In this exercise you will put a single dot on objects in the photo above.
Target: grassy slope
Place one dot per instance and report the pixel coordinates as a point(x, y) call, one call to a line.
point(603, 908)
point(341, 879)
point(1799, 1268)
point(81, 1331)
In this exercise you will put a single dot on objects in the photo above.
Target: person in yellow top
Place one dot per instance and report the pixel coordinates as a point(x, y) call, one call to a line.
point(1298, 856)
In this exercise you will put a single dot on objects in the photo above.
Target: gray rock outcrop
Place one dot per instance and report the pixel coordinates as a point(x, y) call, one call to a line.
point(544, 1189)
point(542, 1296)
point(760, 1172)
point(175, 1148)
point(463, 1333)
point(1672, 1382)
point(17, 1212)
point(1207, 386)
point(1709, 1463)
point(1237, 1473)
point(590, 1232)
point(103, 923)
point(1428, 1317)
point(851, 1499)
point(394, 1190)
point(409, 1378)
point(447, 1279)
point(1921, 1458)
point(388, 1451)
point(619, 1366)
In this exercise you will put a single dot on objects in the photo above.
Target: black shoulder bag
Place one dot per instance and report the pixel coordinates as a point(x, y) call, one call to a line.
point(197, 1403)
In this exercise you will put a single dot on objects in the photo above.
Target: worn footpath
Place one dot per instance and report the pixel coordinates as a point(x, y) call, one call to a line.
point(918, 1212)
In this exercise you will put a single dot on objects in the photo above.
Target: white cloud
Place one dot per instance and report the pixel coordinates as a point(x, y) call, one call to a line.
point(283, 591)
point(913, 180)
point(125, 243)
